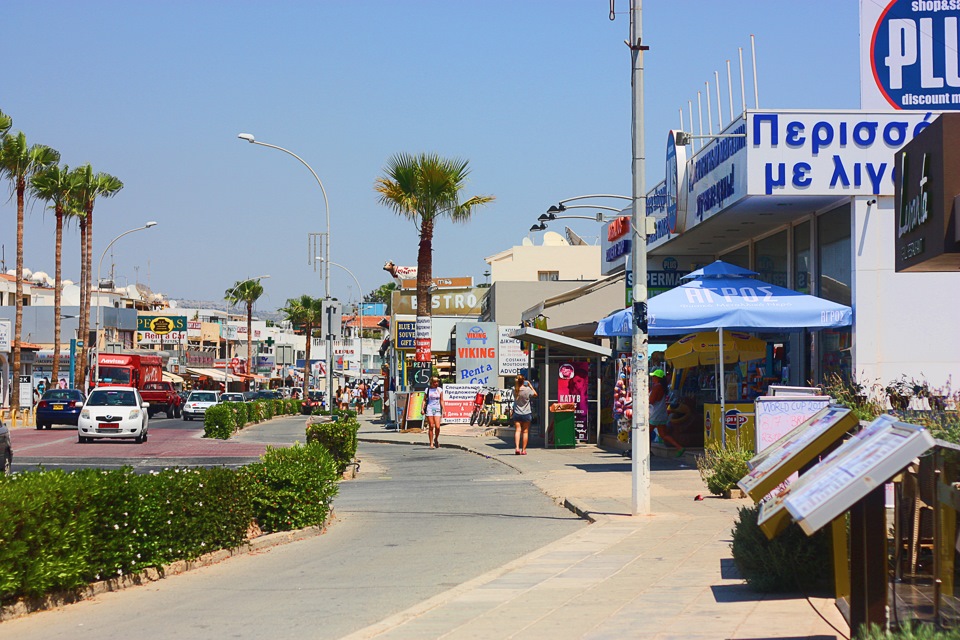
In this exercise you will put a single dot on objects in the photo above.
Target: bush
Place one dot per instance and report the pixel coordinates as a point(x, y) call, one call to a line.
point(721, 468)
point(790, 562)
point(339, 438)
point(219, 422)
point(910, 631)
point(293, 487)
point(255, 411)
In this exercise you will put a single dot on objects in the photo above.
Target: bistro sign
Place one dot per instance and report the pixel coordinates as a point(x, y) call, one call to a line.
point(928, 170)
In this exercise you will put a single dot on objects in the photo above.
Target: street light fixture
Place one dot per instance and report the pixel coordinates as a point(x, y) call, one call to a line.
point(326, 272)
point(226, 374)
point(96, 349)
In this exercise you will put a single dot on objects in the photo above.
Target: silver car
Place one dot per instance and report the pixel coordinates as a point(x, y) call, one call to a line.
point(198, 402)
point(6, 450)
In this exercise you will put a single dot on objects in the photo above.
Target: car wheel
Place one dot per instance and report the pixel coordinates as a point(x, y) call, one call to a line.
point(39, 426)
point(139, 439)
point(82, 439)
point(187, 418)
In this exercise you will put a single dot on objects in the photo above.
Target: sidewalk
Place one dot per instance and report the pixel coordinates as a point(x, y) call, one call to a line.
point(665, 575)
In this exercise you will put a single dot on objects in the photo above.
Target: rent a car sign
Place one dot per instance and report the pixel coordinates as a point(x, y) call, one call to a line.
point(477, 344)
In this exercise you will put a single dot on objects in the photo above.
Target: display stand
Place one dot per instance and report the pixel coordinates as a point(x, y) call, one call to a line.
point(852, 479)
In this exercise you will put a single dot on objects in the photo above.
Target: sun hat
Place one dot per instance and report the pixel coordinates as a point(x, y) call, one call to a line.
point(657, 373)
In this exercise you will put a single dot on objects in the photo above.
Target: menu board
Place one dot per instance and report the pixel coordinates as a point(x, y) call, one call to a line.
point(795, 449)
point(861, 464)
point(775, 416)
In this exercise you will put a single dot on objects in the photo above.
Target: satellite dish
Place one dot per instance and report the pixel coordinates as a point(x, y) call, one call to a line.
point(553, 239)
point(573, 238)
point(526, 242)
point(144, 291)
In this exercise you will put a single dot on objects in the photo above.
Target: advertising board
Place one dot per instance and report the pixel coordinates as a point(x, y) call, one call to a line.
point(6, 333)
point(458, 400)
point(511, 354)
point(477, 346)
point(161, 329)
point(908, 54)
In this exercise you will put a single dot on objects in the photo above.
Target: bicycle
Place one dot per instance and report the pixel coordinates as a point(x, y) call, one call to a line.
point(482, 414)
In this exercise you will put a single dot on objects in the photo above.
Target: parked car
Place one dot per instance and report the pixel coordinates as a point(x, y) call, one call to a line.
point(249, 396)
point(59, 406)
point(6, 449)
point(198, 402)
point(114, 412)
point(268, 394)
point(232, 397)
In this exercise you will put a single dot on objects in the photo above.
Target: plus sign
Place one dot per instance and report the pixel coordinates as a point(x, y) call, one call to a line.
point(269, 341)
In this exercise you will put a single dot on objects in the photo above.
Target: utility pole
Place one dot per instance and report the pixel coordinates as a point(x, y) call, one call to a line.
point(640, 422)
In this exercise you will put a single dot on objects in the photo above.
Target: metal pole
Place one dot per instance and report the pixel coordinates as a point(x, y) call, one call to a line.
point(639, 428)
point(360, 314)
point(96, 345)
point(73, 360)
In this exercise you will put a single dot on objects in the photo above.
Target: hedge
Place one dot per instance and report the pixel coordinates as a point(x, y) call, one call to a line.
point(60, 531)
point(223, 420)
point(339, 438)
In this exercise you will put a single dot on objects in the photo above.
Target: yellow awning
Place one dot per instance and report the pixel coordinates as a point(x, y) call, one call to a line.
point(172, 377)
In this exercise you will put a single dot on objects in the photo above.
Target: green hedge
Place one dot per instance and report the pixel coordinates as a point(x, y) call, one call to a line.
point(722, 467)
point(339, 438)
point(60, 531)
point(223, 420)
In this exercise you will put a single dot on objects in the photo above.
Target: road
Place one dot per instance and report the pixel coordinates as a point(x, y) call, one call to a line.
point(415, 523)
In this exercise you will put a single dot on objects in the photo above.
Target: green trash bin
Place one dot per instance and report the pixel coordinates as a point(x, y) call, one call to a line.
point(377, 405)
point(564, 429)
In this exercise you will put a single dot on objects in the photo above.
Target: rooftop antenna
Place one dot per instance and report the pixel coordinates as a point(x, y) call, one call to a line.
point(700, 117)
point(681, 119)
point(756, 90)
point(716, 80)
point(690, 112)
point(730, 90)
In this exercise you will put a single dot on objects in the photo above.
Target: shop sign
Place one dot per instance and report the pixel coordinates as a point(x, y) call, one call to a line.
point(202, 359)
point(477, 346)
point(734, 419)
point(443, 303)
point(406, 335)
point(513, 359)
point(465, 282)
point(616, 244)
point(657, 209)
point(827, 153)
point(26, 391)
point(716, 175)
point(573, 386)
point(924, 204)
point(674, 191)
point(908, 54)
point(161, 329)
point(6, 332)
point(458, 402)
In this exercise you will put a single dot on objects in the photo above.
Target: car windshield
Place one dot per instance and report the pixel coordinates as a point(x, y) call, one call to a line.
point(100, 398)
point(202, 397)
point(232, 397)
point(154, 386)
point(62, 394)
point(115, 375)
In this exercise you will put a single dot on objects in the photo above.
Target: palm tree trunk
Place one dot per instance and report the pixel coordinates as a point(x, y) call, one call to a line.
point(88, 286)
point(424, 298)
point(306, 362)
point(18, 322)
point(80, 365)
point(57, 279)
point(249, 342)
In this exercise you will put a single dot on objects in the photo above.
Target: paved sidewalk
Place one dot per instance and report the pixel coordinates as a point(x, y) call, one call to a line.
point(665, 575)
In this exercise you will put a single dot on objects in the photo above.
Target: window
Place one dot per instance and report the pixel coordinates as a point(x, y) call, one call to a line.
point(770, 258)
point(801, 257)
point(739, 257)
point(548, 276)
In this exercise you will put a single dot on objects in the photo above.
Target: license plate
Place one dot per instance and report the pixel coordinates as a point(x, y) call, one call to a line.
point(109, 425)
point(58, 407)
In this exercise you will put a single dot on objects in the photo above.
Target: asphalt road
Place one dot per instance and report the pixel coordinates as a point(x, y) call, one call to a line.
point(415, 523)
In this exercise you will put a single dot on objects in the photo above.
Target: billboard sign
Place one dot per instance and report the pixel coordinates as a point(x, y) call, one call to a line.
point(477, 346)
point(161, 329)
point(908, 55)
point(512, 356)
point(6, 333)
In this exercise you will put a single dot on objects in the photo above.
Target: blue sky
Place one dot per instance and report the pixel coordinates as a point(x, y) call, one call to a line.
point(534, 93)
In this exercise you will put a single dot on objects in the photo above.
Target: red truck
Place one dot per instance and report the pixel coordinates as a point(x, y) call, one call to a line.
point(143, 372)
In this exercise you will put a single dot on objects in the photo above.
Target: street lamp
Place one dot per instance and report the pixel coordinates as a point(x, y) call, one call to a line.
point(326, 272)
point(360, 289)
point(226, 375)
point(96, 346)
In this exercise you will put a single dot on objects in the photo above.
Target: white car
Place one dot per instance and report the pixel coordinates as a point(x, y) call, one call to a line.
point(114, 412)
point(198, 402)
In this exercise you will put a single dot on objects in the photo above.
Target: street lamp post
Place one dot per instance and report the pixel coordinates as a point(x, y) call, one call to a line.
point(96, 346)
point(226, 374)
point(359, 288)
point(326, 271)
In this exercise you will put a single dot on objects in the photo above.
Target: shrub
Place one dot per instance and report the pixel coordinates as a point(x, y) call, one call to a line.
point(292, 488)
point(241, 413)
point(721, 468)
point(255, 411)
point(790, 562)
point(339, 438)
point(219, 422)
point(864, 401)
point(909, 631)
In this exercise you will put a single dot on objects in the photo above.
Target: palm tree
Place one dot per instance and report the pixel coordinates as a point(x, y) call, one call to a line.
point(19, 163)
point(90, 186)
point(55, 185)
point(5, 123)
point(306, 312)
point(424, 188)
point(247, 292)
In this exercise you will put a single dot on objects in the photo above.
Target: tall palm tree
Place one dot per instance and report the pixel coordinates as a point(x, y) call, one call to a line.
point(5, 123)
point(55, 184)
point(246, 292)
point(306, 312)
point(19, 163)
point(90, 187)
point(423, 188)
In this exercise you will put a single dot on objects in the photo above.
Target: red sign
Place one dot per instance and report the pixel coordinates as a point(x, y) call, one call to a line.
point(618, 228)
point(733, 419)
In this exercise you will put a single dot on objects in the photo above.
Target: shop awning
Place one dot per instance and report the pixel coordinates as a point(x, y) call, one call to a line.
point(563, 343)
point(213, 374)
point(172, 377)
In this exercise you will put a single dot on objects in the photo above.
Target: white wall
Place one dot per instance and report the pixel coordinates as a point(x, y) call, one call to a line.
point(906, 323)
point(521, 264)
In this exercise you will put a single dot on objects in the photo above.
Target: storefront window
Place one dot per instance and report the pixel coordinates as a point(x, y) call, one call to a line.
point(770, 259)
point(835, 265)
point(739, 257)
point(801, 258)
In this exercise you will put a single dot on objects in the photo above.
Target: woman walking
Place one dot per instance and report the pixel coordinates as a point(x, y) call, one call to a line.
point(523, 392)
point(433, 411)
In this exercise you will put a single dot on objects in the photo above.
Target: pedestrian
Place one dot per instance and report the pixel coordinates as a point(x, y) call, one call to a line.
point(523, 392)
point(658, 409)
point(357, 400)
point(336, 397)
point(433, 411)
point(345, 398)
